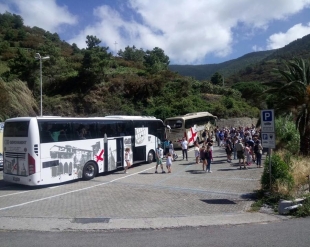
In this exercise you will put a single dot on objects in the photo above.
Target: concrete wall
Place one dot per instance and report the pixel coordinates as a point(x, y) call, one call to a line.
point(236, 122)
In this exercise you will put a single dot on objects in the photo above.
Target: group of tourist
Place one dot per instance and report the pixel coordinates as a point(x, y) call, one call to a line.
point(243, 143)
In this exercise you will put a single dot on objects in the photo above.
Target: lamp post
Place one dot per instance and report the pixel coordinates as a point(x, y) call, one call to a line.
point(38, 56)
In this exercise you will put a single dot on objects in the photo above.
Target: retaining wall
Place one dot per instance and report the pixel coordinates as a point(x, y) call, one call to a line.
point(236, 122)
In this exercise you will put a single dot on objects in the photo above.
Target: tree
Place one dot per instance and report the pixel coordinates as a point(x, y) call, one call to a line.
point(251, 91)
point(217, 79)
point(132, 54)
point(292, 95)
point(92, 41)
point(23, 67)
point(8, 20)
point(157, 59)
point(94, 62)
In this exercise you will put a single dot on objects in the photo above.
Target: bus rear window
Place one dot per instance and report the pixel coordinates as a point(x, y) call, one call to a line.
point(16, 129)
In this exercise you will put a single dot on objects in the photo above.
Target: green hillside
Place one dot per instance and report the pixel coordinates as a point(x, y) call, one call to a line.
point(92, 82)
point(204, 72)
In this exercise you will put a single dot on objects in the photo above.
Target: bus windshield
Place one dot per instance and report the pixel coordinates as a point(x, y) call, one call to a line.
point(175, 123)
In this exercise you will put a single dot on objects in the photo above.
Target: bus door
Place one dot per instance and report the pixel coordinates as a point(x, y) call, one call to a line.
point(119, 152)
point(112, 154)
point(139, 144)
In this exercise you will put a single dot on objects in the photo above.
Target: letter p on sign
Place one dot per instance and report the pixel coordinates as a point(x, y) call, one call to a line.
point(267, 116)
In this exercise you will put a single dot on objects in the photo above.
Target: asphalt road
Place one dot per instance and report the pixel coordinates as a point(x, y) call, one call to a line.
point(288, 233)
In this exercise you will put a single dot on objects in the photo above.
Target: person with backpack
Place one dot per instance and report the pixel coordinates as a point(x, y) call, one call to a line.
point(240, 153)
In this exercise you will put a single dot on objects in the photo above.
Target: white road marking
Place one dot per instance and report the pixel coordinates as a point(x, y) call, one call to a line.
point(16, 193)
point(69, 192)
point(54, 187)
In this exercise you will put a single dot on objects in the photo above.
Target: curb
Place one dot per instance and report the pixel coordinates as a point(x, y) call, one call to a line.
point(95, 224)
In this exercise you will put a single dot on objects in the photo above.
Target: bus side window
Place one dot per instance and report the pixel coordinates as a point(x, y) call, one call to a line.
point(45, 133)
point(81, 132)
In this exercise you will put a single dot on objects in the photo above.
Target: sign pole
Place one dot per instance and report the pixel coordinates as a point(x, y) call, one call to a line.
point(270, 169)
point(268, 135)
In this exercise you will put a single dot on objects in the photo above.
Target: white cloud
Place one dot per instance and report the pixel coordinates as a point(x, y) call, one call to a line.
point(280, 39)
point(44, 14)
point(187, 31)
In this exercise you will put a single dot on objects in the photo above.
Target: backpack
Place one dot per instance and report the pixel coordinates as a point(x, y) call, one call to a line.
point(207, 155)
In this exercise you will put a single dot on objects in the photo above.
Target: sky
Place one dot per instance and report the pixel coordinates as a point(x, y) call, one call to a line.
point(189, 31)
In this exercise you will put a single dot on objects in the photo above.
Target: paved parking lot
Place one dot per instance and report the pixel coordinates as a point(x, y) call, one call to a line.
point(186, 192)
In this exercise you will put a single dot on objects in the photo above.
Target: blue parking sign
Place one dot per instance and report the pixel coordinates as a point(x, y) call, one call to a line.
point(267, 120)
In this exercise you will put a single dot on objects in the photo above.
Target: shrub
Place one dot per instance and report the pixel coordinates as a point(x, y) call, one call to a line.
point(304, 210)
point(280, 175)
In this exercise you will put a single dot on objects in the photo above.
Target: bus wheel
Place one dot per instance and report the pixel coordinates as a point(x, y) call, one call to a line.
point(150, 157)
point(89, 170)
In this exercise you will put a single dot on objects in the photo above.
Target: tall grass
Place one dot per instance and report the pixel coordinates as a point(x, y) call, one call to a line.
point(287, 135)
point(299, 168)
point(19, 100)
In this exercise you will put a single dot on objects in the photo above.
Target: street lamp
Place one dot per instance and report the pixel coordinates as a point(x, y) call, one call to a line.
point(38, 56)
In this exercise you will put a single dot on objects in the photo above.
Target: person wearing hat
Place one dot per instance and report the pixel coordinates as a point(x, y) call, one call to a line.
point(159, 158)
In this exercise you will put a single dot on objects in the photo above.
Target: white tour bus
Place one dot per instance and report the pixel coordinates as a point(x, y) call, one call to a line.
point(189, 126)
point(50, 150)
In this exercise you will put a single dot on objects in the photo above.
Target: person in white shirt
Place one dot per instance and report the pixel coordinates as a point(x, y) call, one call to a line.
point(127, 160)
point(184, 145)
point(196, 149)
point(169, 162)
point(159, 158)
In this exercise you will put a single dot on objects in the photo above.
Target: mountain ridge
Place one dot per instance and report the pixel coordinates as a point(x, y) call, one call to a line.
point(250, 62)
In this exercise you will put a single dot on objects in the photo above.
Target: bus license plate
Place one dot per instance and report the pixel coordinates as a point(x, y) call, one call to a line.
point(16, 179)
